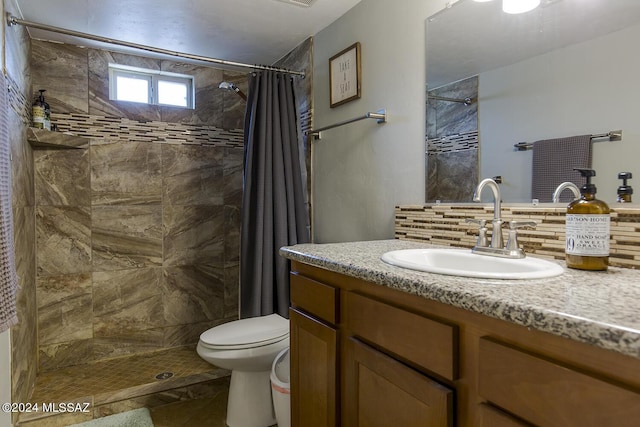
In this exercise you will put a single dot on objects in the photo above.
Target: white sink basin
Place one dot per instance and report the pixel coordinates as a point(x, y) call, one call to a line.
point(461, 262)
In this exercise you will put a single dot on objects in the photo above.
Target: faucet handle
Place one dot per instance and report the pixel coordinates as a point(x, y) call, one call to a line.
point(512, 241)
point(483, 241)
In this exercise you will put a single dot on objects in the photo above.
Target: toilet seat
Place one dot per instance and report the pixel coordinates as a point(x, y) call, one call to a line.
point(246, 333)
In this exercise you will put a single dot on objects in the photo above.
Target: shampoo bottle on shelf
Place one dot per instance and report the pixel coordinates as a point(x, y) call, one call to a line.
point(624, 191)
point(587, 229)
point(41, 112)
point(38, 112)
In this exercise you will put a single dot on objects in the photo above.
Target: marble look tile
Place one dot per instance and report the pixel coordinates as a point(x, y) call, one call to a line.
point(126, 300)
point(193, 294)
point(231, 236)
point(125, 237)
point(444, 181)
point(22, 182)
point(232, 292)
point(63, 240)
point(44, 139)
point(188, 334)
point(64, 308)
point(192, 175)
point(99, 102)
point(208, 96)
point(60, 355)
point(126, 343)
point(193, 235)
point(126, 173)
point(432, 126)
point(24, 339)
point(454, 117)
point(62, 177)
point(61, 69)
point(24, 237)
point(232, 105)
point(233, 164)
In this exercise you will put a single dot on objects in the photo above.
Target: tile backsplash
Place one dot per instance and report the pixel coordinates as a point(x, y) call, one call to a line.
point(445, 224)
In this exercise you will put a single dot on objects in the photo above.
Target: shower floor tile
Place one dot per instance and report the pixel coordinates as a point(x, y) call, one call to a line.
point(115, 375)
point(113, 384)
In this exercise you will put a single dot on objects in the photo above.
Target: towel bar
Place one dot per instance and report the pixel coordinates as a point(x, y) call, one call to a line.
point(614, 135)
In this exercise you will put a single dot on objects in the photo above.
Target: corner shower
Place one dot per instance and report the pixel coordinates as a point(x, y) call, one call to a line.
point(136, 326)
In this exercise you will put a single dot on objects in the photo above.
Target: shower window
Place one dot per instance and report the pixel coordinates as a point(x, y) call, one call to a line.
point(153, 87)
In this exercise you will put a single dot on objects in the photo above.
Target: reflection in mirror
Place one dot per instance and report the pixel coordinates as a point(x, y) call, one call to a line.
point(564, 69)
point(452, 141)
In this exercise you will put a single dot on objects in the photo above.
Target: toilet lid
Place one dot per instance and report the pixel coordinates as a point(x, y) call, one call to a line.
point(244, 333)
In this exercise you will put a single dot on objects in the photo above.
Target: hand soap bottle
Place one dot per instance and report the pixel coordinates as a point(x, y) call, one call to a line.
point(624, 191)
point(587, 229)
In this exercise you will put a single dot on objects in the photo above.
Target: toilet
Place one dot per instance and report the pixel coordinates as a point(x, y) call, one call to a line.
point(247, 348)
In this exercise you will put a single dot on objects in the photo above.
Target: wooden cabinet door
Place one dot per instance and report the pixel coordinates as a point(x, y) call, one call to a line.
point(313, 371)
point(380, 392)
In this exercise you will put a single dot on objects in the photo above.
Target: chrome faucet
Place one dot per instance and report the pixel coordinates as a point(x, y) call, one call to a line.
point(497, 247)
point(571, 186)
point(496, 232)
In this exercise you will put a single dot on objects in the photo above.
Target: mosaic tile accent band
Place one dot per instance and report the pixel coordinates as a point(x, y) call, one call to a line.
point(90, 126)
point(445, 225)
point(450, 143)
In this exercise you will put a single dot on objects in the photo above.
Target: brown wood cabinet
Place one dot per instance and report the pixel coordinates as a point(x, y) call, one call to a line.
point(314, 353)
point(367, 355)
point(379, 391)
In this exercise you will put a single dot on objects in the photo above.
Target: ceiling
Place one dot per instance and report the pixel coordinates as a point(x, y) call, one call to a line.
point(470, 38)
point(248, 31)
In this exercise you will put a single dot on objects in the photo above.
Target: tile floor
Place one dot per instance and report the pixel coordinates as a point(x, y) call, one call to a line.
point(130, 382)
point(206, 412)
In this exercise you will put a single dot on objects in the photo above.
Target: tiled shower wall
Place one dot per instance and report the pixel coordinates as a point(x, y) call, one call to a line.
point(452, 143)
point(138, 235)
point(23, 334)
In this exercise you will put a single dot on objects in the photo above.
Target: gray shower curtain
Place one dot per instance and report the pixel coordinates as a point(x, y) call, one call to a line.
point(274, 213)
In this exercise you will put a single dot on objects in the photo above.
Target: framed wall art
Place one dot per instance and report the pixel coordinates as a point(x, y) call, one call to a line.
point(345, 75)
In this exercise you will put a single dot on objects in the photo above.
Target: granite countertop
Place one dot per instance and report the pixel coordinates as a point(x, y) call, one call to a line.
point(599, 308)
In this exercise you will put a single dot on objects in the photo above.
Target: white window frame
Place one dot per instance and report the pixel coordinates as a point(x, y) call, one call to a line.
point(153, 77)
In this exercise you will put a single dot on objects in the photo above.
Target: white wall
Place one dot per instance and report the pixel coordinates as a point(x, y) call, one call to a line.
point(588, 88)
point(362, 170)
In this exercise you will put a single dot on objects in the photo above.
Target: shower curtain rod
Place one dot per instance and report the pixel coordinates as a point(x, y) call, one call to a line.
point(12, 20)
point(465, 101)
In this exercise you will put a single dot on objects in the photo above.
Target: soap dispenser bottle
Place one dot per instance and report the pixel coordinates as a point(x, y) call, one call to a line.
point(587, 229)
point(624, 191)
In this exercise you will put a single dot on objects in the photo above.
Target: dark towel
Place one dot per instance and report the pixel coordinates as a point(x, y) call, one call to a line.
point(553, 163)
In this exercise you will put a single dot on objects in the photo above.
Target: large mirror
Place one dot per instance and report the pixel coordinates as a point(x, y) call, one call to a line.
point(567, 68)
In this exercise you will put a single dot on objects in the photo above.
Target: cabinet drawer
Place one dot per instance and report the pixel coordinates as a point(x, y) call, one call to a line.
point(427, 343)
point(314, 298)
point(545, 392)
point(492, 417)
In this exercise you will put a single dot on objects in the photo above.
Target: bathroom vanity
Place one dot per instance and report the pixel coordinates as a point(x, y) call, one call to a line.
point(378, 345)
